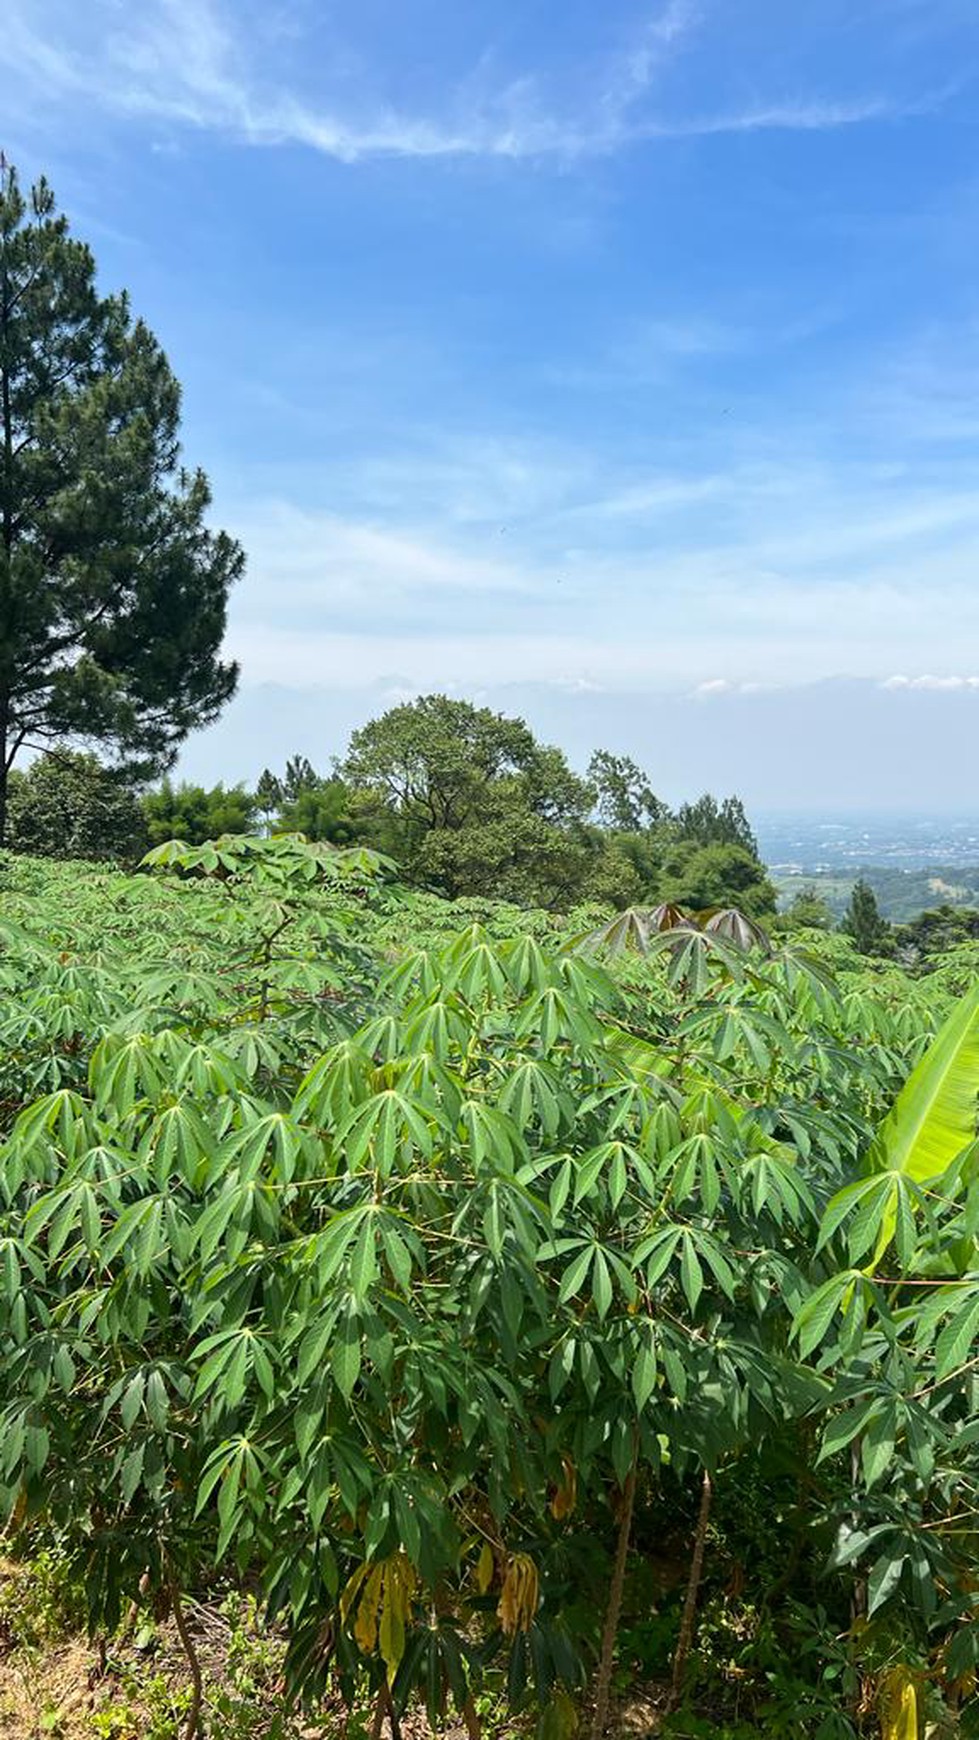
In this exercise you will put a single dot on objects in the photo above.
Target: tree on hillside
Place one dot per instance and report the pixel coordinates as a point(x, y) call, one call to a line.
point(625, 798)
point(437, 760)
point(479, 805)
point(716, 875)
point(938, 929)
point(862, 921)
point(322, 811)
point(68, 805)
point(711, 823)
point(809, 910)
point(193, 813)
point(113, 590)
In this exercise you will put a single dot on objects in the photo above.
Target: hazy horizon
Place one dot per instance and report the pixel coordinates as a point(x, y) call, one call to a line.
point(841, 746)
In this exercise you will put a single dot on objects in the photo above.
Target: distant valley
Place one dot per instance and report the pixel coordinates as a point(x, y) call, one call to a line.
point(911, 862)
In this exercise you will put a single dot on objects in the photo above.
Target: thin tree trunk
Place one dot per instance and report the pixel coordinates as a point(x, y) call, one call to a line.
point(4, 770)
point(192, 1729)
point(6, 526)
point(474, 1727)
point(685, 1638)
point(614, 1609)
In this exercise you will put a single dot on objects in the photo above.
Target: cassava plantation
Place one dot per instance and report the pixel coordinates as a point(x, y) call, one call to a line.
point(476, 1320)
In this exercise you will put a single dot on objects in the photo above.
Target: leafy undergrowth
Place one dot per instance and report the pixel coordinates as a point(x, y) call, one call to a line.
point(56, 1681)
point(517, 1320)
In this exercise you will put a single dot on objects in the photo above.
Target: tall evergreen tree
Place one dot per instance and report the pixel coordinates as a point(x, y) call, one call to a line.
point(268, 796)
point(113, 590)
point(862, 921)
point(300, 775)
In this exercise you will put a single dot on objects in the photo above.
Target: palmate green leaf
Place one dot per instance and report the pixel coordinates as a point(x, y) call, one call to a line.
point(877, 1445)
point(476, 969)
point(269, 1144)
point(555, 1018)
point(691, 1273)
point(532, 1093)
point(601, 1285)
point(387, 1125)
point(574, 1275)
point(337, 1083)
point(62, 1118)
point(430, 1084)
point(958, 1340)
point(437, 1026)
point(814, 1318)
point(178, 1139)
point(124, 1070)
point(657, 1252)
point(314, 1344)
point(844, 1427)
point(363, 1259)
point(398, 1252)
point(527, 967)
point(494, 1139)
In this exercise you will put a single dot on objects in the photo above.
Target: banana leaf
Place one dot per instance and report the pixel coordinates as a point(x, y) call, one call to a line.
point(934, 1115)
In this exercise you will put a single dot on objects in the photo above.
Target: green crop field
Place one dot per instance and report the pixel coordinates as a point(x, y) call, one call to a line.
point(508, 1319)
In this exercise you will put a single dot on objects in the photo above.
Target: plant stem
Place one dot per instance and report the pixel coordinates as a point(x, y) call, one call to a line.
point(385, 1707)
point(614, 1608)
point(685, 1638)
point(192, 1730)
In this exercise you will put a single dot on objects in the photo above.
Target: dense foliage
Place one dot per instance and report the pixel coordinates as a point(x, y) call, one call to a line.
point(434, 1276)
point(471, 805)
point(68, 805)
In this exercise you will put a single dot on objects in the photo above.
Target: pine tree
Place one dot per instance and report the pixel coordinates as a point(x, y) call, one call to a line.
point(300, 775)
point(268, 796)
point(112, 590)
point(863, 922)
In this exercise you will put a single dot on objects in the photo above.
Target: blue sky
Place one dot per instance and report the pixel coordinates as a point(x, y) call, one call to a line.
point(621, 358)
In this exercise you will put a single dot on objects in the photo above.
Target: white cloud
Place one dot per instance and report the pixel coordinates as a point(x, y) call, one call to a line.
point(193, 64)
point(714, 686)
point(933, 683)
point(799, 116)
point(313, 558)
point(721, 686)
point(773, 574)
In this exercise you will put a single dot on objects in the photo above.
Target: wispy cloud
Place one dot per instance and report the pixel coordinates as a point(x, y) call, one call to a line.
point(931, 684)
point(188, 63)
point(632, 73)
point(786, 586)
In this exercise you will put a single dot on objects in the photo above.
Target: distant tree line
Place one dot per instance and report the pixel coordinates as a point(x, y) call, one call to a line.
point(914, 944)
point(465, 800)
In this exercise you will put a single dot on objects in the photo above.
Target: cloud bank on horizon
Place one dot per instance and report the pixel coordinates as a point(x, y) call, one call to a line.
point(623, 349)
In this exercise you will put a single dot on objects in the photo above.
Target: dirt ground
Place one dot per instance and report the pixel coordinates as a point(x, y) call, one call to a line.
point(55, 1686)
